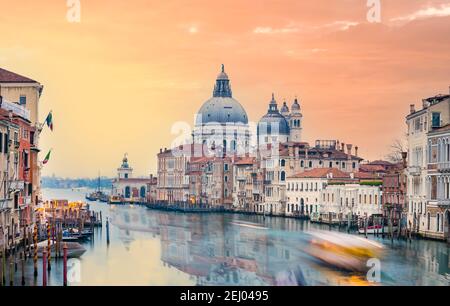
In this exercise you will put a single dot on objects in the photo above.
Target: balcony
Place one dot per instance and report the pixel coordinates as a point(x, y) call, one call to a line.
point(445, 203)
point(256, 191)
point(414, 170)
point(444, 166)
point(241, 177)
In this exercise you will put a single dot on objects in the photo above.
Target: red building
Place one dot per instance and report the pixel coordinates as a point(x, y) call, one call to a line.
point(394, 192)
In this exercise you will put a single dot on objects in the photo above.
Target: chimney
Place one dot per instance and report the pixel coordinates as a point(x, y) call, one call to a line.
point(342, 147)
point(160, 150)
point(356, 151)
point(349, 150)
point(412, 109)
point(425, 103)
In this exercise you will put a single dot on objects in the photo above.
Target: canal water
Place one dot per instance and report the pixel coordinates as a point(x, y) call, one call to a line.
point(149, 247)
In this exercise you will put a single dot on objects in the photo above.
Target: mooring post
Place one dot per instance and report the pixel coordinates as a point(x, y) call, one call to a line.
point(65, 264)
point(23, 268)
point(107, 231)
point(35, 250)
point(44, 268)
point(49, 246)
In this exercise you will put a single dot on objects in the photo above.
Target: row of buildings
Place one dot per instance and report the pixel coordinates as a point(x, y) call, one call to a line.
point(428, 171)
point(19, 165)
point(273, 172)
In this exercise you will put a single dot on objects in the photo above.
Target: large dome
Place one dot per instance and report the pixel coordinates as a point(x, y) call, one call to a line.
point(222, 108)
point(273, 123)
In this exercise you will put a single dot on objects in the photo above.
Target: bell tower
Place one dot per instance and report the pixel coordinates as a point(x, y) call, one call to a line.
point(295, 122)
point(125, 172)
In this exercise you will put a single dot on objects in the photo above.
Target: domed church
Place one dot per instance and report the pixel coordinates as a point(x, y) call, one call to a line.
point(222, 122)
point(280, 126)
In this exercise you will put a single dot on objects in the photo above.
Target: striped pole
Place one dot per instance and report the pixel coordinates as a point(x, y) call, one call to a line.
point(35, 257)
point(23, 268)
point(4, 266)
point(65, 264)
point(1, 268)
point(49, 247)
point(44, 268)
point(11, 272)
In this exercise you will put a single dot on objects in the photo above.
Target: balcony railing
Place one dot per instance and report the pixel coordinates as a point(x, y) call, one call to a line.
point(443, 203)
point(444, 166)
point(414, 170)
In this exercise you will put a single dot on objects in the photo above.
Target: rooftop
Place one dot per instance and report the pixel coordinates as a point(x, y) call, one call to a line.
point(11, 77)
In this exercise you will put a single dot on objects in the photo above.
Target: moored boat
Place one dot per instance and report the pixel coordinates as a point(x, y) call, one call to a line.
point(74, 249)
point(115, 200)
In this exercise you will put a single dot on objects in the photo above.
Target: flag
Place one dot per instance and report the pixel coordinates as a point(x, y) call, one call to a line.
point(49, 120)
point(47, 157)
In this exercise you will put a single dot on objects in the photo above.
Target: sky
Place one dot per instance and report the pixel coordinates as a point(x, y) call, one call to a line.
point(120, 78)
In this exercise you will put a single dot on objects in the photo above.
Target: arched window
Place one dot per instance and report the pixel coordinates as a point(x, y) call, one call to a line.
point(283, 163)
point(143, 192)
point(127, 192)
point(283, 176)
point(302, 163)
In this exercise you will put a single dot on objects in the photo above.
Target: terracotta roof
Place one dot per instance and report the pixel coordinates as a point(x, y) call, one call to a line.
point(381, 162)
point(245, 161)
point(322, 173)
point(135, 180)
point(366, 175)
point(372, 168)
point(11, 77)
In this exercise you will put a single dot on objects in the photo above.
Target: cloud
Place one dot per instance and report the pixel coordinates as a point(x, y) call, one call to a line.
point(270, 30)
point(341, 25)
point(429, 12)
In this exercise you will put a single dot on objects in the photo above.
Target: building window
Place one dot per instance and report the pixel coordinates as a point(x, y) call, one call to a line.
point(23, 100)
point(283, 163)
point(310, 164)
point(126, 175)
point(283, 176)
point(435, 120)
point(225, 167)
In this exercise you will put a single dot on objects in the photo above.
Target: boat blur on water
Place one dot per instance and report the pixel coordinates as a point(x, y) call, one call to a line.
point(151, 247)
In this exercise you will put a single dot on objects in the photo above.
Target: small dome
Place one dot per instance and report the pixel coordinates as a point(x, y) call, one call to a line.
point(284, 109)
point(295, 106)
point(273, 123)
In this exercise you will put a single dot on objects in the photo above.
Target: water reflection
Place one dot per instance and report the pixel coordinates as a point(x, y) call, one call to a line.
point(159, 248)
point(251, 250)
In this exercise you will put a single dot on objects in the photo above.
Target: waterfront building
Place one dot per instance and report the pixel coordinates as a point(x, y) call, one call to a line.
point(152, 189)
point(127, 187)
point(437, 214)
point(173, 181)
point(198, 169)
point(358, 199)
point(304, 190)
point(394, 193)
point(222, 121)
point(292, 158)
point(426, 167)
point(248, 185)
point(23, 95)
point(19, 136)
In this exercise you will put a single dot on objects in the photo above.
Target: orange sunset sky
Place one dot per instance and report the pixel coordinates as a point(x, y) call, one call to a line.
point(120, 78)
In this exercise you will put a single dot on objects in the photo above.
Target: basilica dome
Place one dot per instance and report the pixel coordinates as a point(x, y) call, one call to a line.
point(273, 123)
point(222, 108)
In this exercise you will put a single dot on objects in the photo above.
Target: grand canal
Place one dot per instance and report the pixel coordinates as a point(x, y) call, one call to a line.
point(150, 247)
